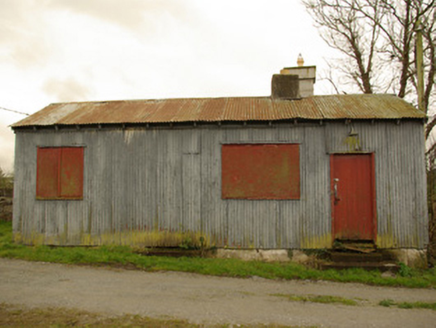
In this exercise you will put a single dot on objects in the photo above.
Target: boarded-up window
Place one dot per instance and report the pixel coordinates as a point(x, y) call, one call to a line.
point(59, 173)
point(260, 171)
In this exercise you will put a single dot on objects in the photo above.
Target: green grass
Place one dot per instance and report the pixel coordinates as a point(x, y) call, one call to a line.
point(122, 256)
point(387, 303)
point(325, 299)
point(408, 305)
point(14, 316)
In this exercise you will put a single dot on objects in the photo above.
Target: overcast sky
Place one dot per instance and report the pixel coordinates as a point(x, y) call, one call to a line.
point(86, 50)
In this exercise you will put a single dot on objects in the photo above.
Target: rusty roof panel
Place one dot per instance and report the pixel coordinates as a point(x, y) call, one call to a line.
point(212, 110)
point(189, 111)
point(223, 109)
point(162, 111)
point(245, 109)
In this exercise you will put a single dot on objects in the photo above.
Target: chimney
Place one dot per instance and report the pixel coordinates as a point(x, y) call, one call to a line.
point(285, 86)
point(294, 82)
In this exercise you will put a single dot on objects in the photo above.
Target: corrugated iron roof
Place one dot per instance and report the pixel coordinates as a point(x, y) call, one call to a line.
point(223, 109)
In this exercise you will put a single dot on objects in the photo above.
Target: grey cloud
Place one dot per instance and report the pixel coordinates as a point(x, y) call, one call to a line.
point(22, 33)
point(68, 89)
point(12, 20)
point(129, 14)
point(31, 52)
point(23, 28)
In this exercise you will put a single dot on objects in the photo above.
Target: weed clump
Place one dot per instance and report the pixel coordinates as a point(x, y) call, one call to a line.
point(325, 299)
point(408, 305)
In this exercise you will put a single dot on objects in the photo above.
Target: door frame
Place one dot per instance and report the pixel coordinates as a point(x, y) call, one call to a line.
point(373, 190)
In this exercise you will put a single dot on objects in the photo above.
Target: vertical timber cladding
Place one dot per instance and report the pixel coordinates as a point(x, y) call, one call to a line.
point(260, 171)
point(353, 196)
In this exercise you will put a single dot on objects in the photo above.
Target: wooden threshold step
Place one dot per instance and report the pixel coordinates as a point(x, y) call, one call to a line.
point(355, 257)
point(381, 266)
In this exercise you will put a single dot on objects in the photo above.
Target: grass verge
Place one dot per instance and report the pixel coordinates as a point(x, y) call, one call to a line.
point(13, 316)
point(122, 256)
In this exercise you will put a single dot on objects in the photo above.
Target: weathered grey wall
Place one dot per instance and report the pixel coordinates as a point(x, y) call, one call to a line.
point(163, 187)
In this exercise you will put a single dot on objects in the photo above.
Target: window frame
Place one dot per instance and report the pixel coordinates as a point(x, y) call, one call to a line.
point(62, 167)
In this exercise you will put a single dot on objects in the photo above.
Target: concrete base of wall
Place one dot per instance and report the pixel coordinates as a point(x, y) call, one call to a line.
point(270, 255)
point(415, 258)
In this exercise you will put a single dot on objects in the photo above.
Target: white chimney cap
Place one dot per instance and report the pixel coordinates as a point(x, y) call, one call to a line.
point(300, 60)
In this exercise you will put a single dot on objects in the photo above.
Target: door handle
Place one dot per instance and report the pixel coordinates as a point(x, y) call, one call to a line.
point(335, 190)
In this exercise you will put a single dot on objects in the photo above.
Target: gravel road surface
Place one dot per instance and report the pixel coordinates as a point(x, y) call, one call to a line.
point(204, 299)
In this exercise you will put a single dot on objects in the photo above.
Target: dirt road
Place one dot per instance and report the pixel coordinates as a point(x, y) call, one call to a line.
point(203, 299)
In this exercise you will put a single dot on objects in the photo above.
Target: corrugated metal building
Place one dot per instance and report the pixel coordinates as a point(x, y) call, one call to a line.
point(288, 171)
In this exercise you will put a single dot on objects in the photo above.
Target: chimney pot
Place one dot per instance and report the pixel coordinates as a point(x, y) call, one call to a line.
point(300, 60)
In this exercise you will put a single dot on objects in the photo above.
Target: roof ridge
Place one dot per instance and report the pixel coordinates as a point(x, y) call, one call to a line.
point(208, 98)
point(154, 99)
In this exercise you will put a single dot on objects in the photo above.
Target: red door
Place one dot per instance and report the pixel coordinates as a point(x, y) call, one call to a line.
point(353, 196)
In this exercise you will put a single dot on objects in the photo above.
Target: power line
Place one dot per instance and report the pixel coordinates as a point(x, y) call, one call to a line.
point(14, 111)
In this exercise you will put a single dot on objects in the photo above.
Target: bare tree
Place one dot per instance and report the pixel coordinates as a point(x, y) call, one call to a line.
point(377, 41)
point(347, 30)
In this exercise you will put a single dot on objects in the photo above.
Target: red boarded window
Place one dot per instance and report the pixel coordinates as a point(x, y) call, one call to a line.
point(59, 173)
point(260, 171)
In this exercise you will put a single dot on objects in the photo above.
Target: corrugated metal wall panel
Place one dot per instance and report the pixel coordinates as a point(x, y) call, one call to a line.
point(214, 220)
point(153, 186)
point(315, 225)
point(289, 212)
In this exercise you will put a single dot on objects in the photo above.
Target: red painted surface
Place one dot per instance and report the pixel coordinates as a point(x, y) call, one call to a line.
point(71, 172)
point(46, 175)
point(261, 171)
point(59, 173)
point(353, 201)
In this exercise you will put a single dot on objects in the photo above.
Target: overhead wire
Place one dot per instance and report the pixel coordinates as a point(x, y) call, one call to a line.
point(14, 111)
